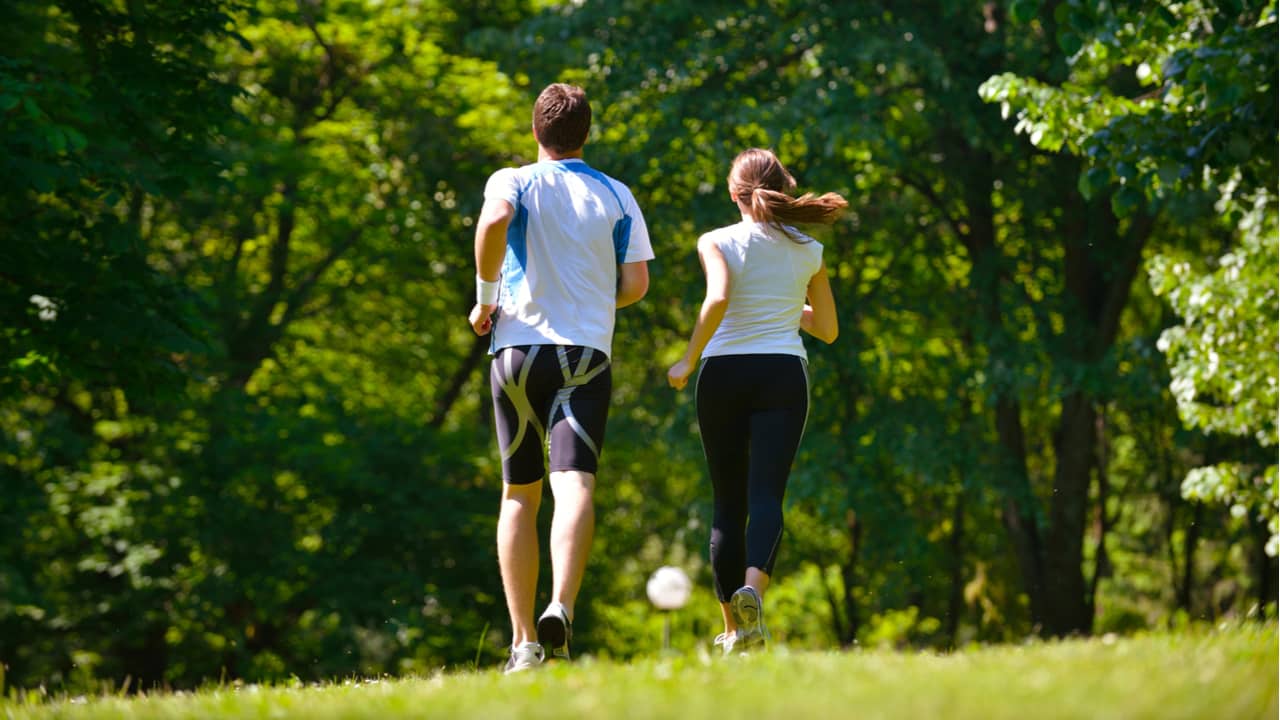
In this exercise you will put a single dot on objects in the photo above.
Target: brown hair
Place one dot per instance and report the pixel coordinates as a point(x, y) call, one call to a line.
point(759, 181)
point(561, 118)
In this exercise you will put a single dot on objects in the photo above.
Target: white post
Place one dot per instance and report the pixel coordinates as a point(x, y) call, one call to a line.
point(668, 589)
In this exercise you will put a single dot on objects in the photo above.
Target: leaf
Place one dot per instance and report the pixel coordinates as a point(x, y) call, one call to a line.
point(1024, 11)
point(1124, 202)
point(9, 102)
point(1070, 42)
point(57, 141)
point(41, 179)
point(76, 140)
point(1092, 181)
point(1170, 172)
point(242, 41)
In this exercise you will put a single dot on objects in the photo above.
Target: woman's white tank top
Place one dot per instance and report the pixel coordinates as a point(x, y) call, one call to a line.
point(768, 278)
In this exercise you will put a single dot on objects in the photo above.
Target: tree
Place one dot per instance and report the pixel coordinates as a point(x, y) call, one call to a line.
point(1199, 133)
point(102, 104)
point(1223, 364)
point(275, 515)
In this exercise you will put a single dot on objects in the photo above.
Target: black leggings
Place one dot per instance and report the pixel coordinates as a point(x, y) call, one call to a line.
point(751, 413)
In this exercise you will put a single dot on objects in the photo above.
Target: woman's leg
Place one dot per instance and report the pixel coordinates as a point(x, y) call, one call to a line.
point(775, 437)
point(724, 429)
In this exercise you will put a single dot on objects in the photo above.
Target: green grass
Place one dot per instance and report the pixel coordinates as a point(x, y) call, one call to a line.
point(1231, 673)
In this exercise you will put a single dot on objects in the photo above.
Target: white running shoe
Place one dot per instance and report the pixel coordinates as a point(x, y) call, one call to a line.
point(748, 612)
point(524, 656)
point(555, 631)
point(725, 641)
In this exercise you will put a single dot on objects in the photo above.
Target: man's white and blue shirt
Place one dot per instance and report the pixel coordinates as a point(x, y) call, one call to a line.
point(573, 226)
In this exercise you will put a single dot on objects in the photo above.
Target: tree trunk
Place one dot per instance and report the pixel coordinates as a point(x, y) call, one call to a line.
point(1019, 513)
point(1264, 566)
point(850, 578)
point(1066, 610)
point(254, 339)
point(1099, 265)
point(1190, 540)
point(453, 388)
point(1102, 521)
point(838, 627)
point(985, 281)
point(955, 602)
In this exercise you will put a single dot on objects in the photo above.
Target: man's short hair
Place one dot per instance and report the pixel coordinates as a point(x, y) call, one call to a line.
point(561, 118)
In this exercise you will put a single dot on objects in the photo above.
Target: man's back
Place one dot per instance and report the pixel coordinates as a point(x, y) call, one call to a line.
point(571, 229)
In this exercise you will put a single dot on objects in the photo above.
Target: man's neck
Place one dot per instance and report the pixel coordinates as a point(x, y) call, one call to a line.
point(546, 154)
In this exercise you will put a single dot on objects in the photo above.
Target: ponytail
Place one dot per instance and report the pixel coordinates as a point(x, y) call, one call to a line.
point(759, 180)
point(775, 208)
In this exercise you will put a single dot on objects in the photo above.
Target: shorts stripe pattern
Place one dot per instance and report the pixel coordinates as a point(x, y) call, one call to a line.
point(553, 393)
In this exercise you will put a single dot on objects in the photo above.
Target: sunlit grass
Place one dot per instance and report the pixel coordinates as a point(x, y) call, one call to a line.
point(1231, 673)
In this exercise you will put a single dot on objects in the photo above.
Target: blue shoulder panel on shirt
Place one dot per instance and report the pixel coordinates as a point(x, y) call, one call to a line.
point(622, 228)
point(518, 232)
point(513, 268)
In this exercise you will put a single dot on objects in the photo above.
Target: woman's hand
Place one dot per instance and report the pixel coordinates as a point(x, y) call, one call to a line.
point(678, 375)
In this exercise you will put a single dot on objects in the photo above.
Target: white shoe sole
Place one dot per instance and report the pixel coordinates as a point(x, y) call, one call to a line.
point(553, 633)
point(745, 608)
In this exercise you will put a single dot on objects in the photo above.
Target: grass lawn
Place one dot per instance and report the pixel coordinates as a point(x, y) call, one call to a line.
point(1231, 673)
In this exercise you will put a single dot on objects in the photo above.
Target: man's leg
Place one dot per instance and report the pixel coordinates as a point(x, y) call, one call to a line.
point(572, 530)
point(518, 555)
point(520, 397)
point(575, 428)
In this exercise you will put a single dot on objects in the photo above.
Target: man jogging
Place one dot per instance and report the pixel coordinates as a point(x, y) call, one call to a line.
point(559, 246)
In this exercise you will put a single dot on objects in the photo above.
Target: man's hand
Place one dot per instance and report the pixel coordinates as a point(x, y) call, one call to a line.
point(481, 318)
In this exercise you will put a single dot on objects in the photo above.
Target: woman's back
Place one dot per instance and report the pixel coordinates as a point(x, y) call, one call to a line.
point(769, 275)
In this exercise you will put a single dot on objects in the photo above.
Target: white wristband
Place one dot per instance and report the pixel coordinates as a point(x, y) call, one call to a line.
point(486, 291)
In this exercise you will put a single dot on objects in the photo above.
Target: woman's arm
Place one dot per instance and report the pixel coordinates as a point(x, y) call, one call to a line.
point(709, 316)
point(819, 317)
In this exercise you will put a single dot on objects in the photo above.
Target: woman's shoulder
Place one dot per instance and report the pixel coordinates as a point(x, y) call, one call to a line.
point(801, 238)
point(721, 234)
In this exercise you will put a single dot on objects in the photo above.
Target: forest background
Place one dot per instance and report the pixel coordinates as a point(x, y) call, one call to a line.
point(244, 427)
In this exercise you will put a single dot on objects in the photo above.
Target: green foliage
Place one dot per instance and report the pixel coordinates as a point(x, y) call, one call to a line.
point(308, 505)
point(1166, 107)
point(100, 106)
point(1223, 377)
point(1160, 103)
point(1222, 361)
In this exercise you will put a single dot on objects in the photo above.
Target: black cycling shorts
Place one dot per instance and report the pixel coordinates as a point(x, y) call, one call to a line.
point(552, 395)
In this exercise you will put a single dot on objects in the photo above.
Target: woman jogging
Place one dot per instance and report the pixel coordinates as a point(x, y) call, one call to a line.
point(752, 391)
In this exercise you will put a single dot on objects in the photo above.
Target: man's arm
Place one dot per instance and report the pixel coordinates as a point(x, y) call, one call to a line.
point(633, 282)
point(491, 237)
point(491, 247)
